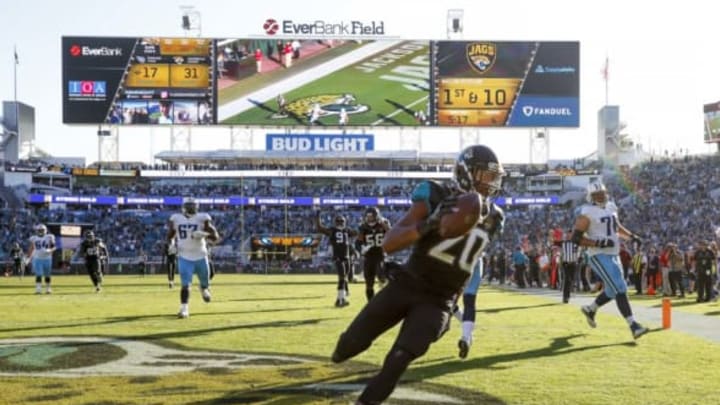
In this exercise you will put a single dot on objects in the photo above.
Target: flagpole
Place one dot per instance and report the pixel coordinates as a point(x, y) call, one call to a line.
point(17, 108)
point(607, 80)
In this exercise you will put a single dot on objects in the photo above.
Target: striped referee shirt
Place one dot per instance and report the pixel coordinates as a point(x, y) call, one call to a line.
point(569, 251)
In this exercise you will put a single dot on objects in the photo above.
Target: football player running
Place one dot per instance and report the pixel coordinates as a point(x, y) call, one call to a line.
point(92, 249)
point(339, 236)
point(16, 254)
point(493, 226)
point(42, 246)
point(369, 242)
point(598, 228)
point(191, 229)
point(422, 292)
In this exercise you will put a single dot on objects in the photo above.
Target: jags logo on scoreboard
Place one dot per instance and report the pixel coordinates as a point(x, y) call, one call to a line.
point(481, 55)
point(325, 104)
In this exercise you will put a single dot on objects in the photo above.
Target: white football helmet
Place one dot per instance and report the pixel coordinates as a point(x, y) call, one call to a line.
point(41, 229)
point(596, 193)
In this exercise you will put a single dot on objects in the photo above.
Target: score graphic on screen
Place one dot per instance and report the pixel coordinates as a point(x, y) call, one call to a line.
point(139, 81)
point(506, 83)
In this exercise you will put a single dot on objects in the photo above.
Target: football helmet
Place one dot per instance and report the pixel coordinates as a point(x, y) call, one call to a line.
point(372, 216)
point(478, 169)
point(190, 206)
point(340, 222)
point(41, 229)
point(597, 193)
point(90, 235)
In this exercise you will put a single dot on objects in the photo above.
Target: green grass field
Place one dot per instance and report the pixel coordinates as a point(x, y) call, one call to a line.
point(391, 100)
point(528, 350)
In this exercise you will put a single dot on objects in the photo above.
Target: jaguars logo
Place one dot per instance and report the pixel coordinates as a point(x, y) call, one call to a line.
point(481, 55)
point(324, 105)
point(156, 370)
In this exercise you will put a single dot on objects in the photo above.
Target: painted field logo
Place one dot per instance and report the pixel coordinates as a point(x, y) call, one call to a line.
point(146, 369)
point(481, 55)
point(325, 104)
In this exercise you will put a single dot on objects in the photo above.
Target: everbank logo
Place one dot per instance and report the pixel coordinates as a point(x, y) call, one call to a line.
point(77, 50)
point(272, 26)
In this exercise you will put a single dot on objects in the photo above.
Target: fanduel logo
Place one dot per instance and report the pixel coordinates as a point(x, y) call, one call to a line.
point(321, 27)
point(75, 50)
point(530, 111)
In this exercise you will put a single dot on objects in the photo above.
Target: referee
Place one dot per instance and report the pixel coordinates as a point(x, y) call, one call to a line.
point(569, 257)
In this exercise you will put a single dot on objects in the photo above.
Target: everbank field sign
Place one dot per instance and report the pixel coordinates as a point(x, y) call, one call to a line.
point(272, 26)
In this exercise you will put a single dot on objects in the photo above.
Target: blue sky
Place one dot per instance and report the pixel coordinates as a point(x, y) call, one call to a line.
point(663, 61)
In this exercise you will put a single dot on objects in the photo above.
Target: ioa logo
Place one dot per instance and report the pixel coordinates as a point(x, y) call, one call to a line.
point(530, 111)
point(77, 50)
point(321, 27)
point(481, 55)
point(323, 105)
point(85, 88)
point(150, 368)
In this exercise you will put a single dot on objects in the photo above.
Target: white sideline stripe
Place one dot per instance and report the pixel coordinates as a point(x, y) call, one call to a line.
point(399, 110)
point(235, 107)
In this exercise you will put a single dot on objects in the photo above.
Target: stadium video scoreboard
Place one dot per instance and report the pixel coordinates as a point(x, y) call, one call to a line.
point(373, 83)
point(138, 80)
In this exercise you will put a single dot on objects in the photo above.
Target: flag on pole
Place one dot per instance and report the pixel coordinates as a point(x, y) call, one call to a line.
point(606, 68)
point(17, 61)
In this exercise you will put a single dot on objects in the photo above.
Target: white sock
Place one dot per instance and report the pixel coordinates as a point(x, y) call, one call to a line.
point(630, 320)
point(593, 306)
point(467, 331)
point(38, 286)
point(183, 307)
point(341, 295)
point(458, 314)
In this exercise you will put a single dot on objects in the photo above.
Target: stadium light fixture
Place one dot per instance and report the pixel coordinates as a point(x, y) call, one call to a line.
point(455, 23)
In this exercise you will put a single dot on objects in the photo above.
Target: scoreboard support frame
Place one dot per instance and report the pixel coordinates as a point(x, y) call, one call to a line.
point(109, 143)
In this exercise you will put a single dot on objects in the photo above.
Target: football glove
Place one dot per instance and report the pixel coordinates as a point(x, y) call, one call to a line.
point(604, 243)
point(494, 222)
point(200, 234)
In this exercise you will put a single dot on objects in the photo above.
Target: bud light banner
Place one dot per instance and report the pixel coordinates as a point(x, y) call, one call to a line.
point(319, 143)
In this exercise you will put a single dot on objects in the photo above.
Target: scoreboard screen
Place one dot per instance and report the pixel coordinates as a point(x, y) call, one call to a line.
point(519, 84)
point(711, 126)
point(139, 80)
point(270, 82)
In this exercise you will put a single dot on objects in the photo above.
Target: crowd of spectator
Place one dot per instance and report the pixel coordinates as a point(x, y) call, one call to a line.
point(668, 201)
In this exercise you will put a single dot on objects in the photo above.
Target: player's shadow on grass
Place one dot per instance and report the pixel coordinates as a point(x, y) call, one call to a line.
point(134, 318)
point(199, 332)
point(558, 347)
point(503, 309)
point(401, 107)
point(679, 304)
point(278, 298)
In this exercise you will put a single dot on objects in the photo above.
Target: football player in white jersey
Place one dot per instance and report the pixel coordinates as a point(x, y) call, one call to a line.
point(191, 229)
point(42, 246)
point(598, 228)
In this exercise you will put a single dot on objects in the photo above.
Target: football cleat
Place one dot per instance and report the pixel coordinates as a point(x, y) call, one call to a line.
point(638, 330)
point(463, 348)
point(38, 290)
point(206, 295)
point(589, 315)
point(171, 285)
point(183, 314)
point(48, 291)
point(98, 289)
